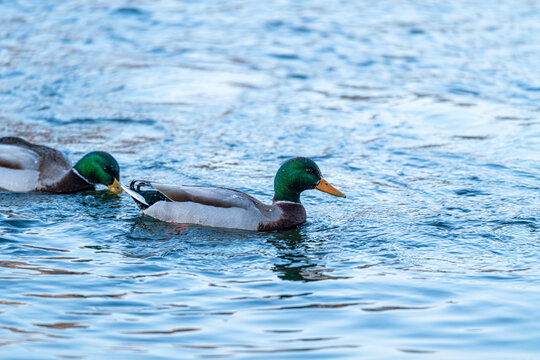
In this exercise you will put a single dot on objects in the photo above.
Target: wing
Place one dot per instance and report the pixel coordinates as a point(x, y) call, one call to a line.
point(17, 158)
point(17, 153)
point(18, 168)
point(46, 153)
point(209, 195)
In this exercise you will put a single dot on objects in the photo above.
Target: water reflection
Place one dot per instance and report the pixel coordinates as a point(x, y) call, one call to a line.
point(297, 257)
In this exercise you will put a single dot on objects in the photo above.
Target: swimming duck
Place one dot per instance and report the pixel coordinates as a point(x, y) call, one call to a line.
point(228, 208)
point(28, 167)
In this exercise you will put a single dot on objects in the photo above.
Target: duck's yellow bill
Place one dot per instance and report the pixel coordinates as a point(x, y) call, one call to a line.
point(324, 186)
point(115, 188)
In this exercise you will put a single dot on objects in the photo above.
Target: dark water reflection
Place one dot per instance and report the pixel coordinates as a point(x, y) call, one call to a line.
point(298, 260)
point(424, 114)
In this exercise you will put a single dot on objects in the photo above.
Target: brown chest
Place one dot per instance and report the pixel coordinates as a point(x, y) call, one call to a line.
point(293, 214)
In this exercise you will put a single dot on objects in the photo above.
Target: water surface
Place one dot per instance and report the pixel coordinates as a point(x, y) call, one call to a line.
point(424, 114)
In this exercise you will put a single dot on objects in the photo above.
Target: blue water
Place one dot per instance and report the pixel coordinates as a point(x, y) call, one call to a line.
point(426, 114)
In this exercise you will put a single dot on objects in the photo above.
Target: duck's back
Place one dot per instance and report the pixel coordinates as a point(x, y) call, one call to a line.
point(27, 167)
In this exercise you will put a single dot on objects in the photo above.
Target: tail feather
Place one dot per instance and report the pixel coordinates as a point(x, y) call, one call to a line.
point(143, 198)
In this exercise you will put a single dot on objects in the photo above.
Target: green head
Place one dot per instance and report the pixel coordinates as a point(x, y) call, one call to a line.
point(297, 175)
point(99, 167)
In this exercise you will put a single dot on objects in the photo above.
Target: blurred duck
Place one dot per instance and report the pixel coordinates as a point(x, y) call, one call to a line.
point(233, 209)
point(28, 167)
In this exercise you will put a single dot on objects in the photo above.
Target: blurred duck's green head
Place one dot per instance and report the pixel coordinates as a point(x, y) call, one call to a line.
point(99, 167)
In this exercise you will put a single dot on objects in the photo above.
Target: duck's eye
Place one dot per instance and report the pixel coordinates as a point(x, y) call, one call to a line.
point(309, 171)
point(106, 169)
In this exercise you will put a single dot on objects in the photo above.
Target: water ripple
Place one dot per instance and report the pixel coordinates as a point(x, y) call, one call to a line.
point(424, 114)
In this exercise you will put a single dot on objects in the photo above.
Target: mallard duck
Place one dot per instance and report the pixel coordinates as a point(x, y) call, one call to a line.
point(28, 167)
point(228, 208)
